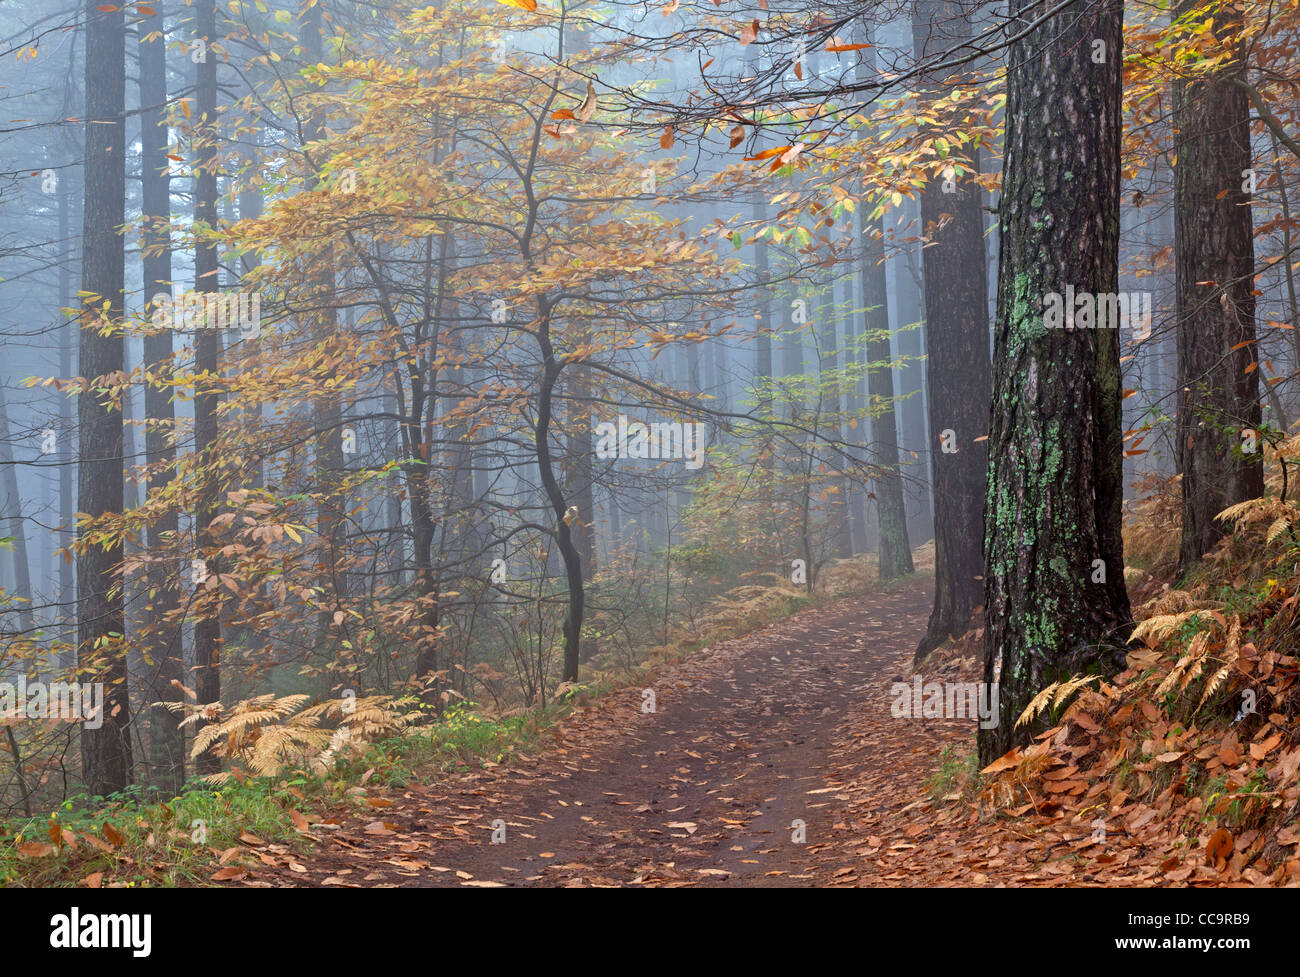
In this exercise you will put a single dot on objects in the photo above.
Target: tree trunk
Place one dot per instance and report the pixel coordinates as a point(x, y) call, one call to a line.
point(164, 649)
point(101, 656)
point(1052, 518)
point(957, 362)
point(895, 552)
point(1218, 392)
point(207, 345)
point(908, 300)
point(67, 461)
point(13, 515)
point(827, 320)
point(328, 406)
point(555, 496)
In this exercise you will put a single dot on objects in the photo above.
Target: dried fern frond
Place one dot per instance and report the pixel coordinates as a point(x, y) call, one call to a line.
point(1155, 629)
point(1281, 515)
point(1231, 654)
point(1053, 696)
point(1174, 601)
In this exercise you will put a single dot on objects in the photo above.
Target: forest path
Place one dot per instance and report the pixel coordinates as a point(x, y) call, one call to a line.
point(787, 723)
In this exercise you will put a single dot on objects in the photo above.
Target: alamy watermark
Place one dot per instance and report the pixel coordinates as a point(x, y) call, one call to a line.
point(659, 439)
point(945, 700)
point(195, 311)
point(1102, 310)
point(68, 701)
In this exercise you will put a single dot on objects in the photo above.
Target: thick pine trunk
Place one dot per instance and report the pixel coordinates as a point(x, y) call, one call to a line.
point(957, 362)
point(101, 657)
point(1055, 492)
point(1218, 392)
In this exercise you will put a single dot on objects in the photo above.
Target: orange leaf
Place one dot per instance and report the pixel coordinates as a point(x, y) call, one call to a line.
point(529, 5)
point(113, 835)
point(35, 849)
point(749, 33)
point(768, 153)
point(563, 114)
point(1008, 760)
point(737, 136)
point(299, 821)
point(666, 140)
point(1219, 846)
point(836, 48)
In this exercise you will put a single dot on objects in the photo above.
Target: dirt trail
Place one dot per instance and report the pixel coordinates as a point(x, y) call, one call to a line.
point(791, 723)
point(747, 739)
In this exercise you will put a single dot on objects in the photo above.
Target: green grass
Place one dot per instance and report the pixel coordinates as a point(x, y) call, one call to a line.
point(152, 842)
point(957, 773)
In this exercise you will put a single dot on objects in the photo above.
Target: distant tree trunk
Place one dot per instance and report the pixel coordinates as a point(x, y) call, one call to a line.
point(911, 386)
point(328, 406)
point(67, 460)
point(894, 548)
point(423, 519)
point(957, 360)
point(763, 312)
point(1052, 519)
point(207, 345)
point(895, 552)
point(101, 656)
point(14, 523)
point(828, 332)
point(1218, 392)
point(165, 650)
point(856, 428)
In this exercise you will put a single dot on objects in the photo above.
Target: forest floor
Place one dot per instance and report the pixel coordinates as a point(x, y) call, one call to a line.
point(788, 723)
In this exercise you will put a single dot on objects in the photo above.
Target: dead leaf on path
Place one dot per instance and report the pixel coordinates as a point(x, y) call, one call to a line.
point(35, 849)
point(93, 880)
point(1219, 848)
point(299, 821)
point(228, 874)
point(1007, 761)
